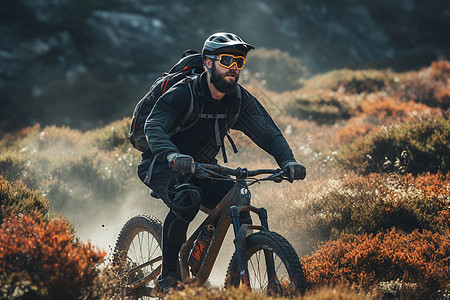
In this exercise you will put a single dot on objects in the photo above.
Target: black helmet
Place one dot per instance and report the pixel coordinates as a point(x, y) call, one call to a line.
point(225, 42)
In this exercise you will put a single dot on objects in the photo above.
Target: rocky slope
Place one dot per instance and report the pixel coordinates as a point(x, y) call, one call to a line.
point(60, 56)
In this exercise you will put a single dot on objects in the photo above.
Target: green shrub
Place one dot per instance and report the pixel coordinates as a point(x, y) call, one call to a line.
point(16, 198)
point(416, 147)
point(351, 81)
point(13, 164)
point(323, 107)
point(111, 136)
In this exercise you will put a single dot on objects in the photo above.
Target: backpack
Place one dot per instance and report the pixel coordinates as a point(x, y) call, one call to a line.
point(191, 63)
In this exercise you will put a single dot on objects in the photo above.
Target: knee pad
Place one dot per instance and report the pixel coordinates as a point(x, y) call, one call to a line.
point(186, 202)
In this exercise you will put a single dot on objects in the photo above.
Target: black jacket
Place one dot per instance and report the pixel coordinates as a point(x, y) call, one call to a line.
point(200, 140)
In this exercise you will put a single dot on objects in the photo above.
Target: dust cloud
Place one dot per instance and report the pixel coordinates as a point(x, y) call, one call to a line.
point(101, 224)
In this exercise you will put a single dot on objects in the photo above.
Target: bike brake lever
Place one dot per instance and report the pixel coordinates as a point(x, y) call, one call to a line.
point(277, 177)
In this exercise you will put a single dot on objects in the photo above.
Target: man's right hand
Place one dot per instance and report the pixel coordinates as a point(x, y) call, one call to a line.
point(181, 163)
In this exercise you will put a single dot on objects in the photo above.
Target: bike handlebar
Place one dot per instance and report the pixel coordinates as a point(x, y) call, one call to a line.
point(213, 170)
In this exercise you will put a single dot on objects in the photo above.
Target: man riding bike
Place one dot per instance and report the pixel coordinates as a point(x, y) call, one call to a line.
point(168, 165)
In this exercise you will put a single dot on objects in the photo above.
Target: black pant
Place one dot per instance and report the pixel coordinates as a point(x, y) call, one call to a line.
point(181, 193)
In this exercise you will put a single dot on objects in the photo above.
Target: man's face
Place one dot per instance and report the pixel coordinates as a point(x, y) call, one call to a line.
point(225, 79)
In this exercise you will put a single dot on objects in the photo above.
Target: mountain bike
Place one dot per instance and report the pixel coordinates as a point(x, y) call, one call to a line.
point(264, 261)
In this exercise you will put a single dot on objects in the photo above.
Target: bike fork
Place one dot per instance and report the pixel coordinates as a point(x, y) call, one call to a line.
point(240, 233)
point(274, 283)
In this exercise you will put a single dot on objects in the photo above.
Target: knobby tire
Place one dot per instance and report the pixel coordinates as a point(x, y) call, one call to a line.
point(291, 280)
point(139, 241)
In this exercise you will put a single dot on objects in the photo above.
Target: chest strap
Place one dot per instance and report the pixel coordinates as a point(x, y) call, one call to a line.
point(219, 140)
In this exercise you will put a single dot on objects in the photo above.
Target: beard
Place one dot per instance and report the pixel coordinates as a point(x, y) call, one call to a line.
point(223, 85)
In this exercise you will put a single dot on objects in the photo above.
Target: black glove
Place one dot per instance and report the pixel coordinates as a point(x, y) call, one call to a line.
point(294, 171)
point(181, 163)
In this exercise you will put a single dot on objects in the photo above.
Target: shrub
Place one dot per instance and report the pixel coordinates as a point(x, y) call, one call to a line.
point(10, 138)
point(351, 81)
point(420, 146)
point(40, 259)
point(418, 260)
point(440, 70)
point(353, 204)
point(352, 130)
point(14, 164)
point(111, 136)
point(16, 198)
point(379, 109)
point(68, 166)
point(323, 106)
point(429, 85)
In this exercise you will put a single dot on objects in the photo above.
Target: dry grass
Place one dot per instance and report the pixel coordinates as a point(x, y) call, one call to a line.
point(324, 293)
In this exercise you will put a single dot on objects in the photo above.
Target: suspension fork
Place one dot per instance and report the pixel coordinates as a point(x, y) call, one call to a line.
point(240, 232)
point(270, 262)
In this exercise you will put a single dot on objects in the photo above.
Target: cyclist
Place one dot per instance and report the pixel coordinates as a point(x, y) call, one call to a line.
point(166, 167)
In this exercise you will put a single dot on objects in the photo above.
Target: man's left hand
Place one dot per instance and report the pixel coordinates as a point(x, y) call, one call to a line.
point(294, 171)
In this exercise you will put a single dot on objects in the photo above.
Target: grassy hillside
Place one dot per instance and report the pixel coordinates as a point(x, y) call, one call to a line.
point(372, 219)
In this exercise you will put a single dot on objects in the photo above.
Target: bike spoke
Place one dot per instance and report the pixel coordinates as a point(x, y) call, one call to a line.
point(142, 249)
point(259, 275)
point(140, 238)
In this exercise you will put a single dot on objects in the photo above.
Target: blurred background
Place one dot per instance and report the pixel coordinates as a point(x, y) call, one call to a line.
point(86, 63)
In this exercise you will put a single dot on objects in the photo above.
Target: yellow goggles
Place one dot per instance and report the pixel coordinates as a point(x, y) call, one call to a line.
point(227, 60)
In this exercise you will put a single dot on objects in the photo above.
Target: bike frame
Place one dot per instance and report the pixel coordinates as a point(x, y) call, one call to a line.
point(224, 214)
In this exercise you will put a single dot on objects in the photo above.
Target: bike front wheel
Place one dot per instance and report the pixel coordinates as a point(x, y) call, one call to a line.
point(138, 256)
point(273, 266)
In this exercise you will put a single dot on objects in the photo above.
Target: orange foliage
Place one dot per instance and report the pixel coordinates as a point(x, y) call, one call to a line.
point(353, 129)
point(363, 261)
point(380, 107)
point(437, 188)
point(440, 70)
point(443, 219)
point(429, 85)
point(10, 137)
point(431, 184)
point(46, 254)
point(443, 95)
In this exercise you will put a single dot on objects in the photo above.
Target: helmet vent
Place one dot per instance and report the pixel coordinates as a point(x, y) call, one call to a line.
point(222, 40)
